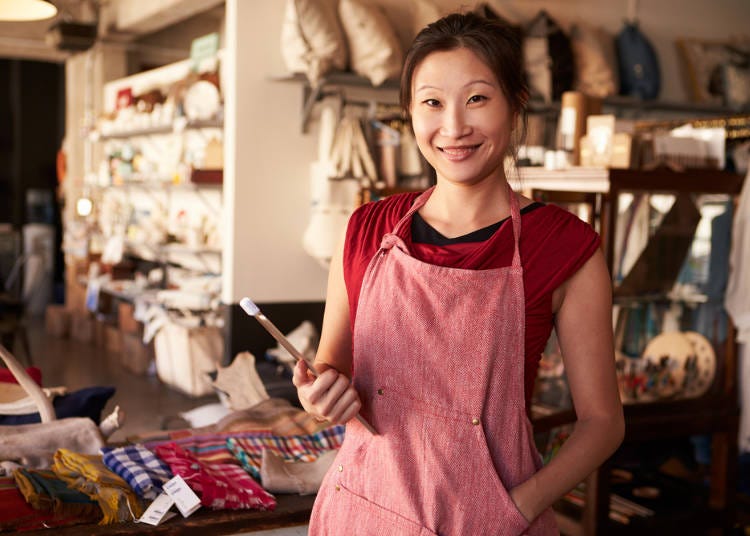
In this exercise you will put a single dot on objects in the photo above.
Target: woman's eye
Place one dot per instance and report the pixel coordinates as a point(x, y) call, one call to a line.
point(476, 98)
point(432, 102)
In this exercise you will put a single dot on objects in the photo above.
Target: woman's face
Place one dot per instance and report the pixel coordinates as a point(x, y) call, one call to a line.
point(461, 118)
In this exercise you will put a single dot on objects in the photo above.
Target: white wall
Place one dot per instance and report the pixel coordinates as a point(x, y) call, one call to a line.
point(266, 175)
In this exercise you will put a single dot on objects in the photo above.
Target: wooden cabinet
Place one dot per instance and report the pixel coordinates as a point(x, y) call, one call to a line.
point(715, 414)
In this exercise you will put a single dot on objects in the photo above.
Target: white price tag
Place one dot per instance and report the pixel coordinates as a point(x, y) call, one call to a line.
point(185, 499)
point(158, 510)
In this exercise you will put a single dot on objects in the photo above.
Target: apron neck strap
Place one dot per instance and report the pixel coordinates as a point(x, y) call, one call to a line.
point(515, 216)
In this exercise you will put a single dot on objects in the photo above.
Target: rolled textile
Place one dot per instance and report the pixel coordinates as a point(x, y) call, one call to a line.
point(219, 485)
point(88, 474)
point(139, 467)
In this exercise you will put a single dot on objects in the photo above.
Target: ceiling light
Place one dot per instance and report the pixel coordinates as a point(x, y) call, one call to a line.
point(26, 10)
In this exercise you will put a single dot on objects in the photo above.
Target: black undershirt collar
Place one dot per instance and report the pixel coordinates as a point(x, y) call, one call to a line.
point(423, 233)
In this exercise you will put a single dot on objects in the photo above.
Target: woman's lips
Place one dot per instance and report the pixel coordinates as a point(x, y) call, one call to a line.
point(457, 153)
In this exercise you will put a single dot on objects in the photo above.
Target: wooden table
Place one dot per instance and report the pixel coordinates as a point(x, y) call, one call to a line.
point(290, 510)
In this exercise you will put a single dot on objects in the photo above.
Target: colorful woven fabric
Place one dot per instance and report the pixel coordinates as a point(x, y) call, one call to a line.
point(44, 491)
point(211, 449)
point(139, 467)
point(219, 486)
point(249, 448)
point(88, 474)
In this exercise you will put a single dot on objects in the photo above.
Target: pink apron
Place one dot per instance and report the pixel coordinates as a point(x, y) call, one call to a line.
point(439, 366)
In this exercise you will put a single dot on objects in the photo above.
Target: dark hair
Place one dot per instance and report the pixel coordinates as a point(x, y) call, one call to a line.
point(495, 43)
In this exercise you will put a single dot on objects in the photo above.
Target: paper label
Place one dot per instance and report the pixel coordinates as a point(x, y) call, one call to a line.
point(158, 510)
point(185, 499)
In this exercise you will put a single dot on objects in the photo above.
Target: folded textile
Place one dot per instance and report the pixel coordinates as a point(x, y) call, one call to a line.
point(33, 445)
point(17, 515)
point(210, 449)
point(280, 476)
point(306, 448)
point(139, 467)
point(219, 485)
point(44, 491)
point(88, 474)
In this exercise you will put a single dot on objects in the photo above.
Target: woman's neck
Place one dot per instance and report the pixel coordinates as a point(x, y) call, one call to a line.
point(458, 209)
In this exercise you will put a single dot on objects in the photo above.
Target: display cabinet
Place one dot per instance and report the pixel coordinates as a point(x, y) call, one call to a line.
point(678, 224)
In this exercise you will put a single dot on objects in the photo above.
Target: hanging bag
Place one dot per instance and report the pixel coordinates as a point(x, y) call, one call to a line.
point(639, 66)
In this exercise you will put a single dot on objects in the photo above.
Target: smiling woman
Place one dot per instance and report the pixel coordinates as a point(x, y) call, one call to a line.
point(438, 308)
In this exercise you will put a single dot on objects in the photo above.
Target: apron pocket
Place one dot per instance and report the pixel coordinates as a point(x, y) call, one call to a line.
point(353, 514)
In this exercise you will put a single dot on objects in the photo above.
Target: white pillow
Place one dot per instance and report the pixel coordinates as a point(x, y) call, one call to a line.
point(594, 55)
point(425, 12)
point(374, 50)
point(312, 40)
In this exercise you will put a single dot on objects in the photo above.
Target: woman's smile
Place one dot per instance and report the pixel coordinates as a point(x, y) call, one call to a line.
point(457, 153)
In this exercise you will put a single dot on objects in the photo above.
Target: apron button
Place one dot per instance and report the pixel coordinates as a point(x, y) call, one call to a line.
point(338, 488)
point(475, 421)
point(341, 468)
point(380, 391)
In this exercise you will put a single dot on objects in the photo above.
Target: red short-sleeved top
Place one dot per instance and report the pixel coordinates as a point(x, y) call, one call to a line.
point(554, 245)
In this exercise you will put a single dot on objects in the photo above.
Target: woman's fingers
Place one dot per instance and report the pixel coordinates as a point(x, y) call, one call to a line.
point(347, 406)
point(330, 396)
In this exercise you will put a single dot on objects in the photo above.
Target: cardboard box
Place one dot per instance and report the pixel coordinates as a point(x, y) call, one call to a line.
point(112, 338)
point(82, 327)
point(136, 356)
point(99, 338)
point(75, 297)
point(57, 321)
point(126, 321)
point(184, 356)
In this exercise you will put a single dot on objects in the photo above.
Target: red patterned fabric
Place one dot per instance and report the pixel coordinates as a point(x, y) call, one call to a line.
point(555, 245)
point(219, 485)
point(17, 515)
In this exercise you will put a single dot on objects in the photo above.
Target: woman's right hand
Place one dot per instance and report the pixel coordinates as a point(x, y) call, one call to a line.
point(330, 396)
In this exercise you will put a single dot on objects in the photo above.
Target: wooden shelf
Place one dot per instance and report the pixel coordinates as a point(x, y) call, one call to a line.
point(176, 126)
point(715, 414)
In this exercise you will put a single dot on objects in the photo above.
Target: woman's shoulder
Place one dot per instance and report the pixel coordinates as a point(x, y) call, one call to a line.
point(554, 222)
point(385, 212)
point(557, 237)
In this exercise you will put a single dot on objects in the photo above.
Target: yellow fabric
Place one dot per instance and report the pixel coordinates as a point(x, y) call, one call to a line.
point(32, 495)
point(88, 474)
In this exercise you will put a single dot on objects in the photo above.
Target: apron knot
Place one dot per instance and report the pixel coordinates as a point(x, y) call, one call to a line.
point(390, 240)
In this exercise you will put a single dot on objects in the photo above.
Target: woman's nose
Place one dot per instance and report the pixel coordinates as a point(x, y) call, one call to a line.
point(454, 123)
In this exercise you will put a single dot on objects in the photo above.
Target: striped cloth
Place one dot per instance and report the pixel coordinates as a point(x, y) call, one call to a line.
point(219, 485)
point(88, 474)
point(249, 448)
point(139, 467)
point(211, 449)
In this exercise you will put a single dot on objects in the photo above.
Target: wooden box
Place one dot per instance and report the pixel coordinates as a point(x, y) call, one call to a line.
point(57, 321)
point(136, 356)
point(82, 326)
